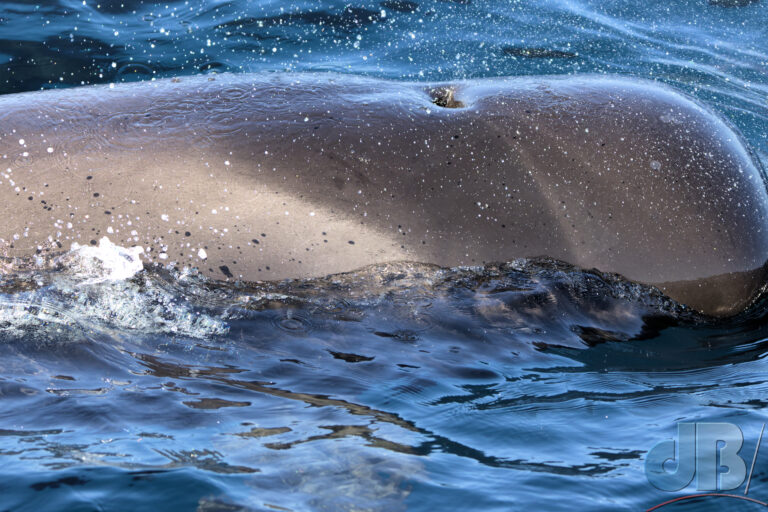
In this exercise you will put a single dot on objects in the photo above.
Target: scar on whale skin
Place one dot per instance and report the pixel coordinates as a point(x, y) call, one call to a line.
point(272, 176)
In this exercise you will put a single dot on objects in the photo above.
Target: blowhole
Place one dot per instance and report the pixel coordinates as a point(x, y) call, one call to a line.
point(445, 97)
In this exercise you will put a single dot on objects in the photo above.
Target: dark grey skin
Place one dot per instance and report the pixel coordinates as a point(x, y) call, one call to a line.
point(295, 175)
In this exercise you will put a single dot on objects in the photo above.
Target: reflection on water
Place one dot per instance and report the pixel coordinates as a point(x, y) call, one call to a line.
point(396, 387)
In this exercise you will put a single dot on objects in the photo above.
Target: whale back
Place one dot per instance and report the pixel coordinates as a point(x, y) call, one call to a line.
point(286, 176)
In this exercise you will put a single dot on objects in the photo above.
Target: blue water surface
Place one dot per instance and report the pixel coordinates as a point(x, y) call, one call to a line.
point(527, 386)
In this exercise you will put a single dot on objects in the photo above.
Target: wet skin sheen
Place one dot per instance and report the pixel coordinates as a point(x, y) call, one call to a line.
point(262, 177)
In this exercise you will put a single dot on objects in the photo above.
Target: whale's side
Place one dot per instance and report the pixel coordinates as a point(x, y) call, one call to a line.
point(280, 175)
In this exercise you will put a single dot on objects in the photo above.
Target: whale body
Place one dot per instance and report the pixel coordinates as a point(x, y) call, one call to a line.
point(273, 176)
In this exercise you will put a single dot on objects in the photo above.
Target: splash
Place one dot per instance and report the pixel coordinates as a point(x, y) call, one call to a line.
point(529, 302)
point(93, 289)
point(105, 262)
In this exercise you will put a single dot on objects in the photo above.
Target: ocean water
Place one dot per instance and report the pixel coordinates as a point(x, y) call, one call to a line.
point(525, 385)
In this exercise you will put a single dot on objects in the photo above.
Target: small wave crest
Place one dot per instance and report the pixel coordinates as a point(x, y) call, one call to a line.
point(98, 288)
point(538, 303)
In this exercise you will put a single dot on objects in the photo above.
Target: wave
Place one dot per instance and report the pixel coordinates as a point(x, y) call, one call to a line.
point(539, 302)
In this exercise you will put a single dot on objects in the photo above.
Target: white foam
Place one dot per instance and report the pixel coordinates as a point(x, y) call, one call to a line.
point(106, 262)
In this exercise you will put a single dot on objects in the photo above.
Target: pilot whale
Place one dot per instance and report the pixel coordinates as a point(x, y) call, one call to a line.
point(279, 175)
